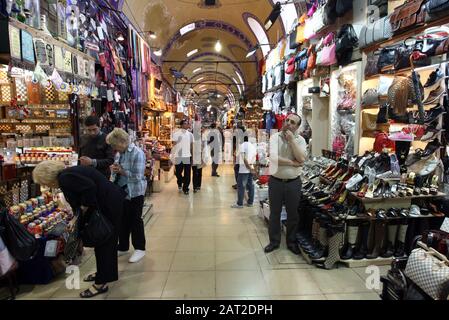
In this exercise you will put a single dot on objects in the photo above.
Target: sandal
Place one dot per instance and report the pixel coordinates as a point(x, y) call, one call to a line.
point(90, 278)
point(94, 291)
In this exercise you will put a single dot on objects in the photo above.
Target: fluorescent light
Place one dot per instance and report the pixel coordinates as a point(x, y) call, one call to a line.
point(251, 52)
point(187, 28)
point(218, 95)
point(218, 46)
point(199, 79)
point(191, 53)
point(196, 70)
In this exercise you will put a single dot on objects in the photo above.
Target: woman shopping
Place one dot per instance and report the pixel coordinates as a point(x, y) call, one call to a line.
point(129, 174)
point(87, 190)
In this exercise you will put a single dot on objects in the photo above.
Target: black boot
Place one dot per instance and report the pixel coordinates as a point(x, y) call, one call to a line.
point(400, 245)
point(348, 251)
point(379, 236)
point(399, 250)
point(362, 248)
point(392, 232)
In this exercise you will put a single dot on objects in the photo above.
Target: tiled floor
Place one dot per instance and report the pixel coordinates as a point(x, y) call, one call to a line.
point(198, 247)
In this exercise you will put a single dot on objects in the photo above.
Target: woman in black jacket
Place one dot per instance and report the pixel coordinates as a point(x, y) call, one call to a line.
point(87, 189)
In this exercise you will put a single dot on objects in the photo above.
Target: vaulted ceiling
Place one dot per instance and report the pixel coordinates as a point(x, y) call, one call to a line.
point(206, 72)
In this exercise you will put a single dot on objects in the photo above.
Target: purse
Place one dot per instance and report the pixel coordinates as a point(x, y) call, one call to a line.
point(346, 42)
point(95, 229)
point(293, 44)
point(369, 121)
point(370, 98)
point(300, 29)
point(411, 14)
point(330, 12)
point(429, 270)
point(437, 6)
point(372, 63)
point(328, 53)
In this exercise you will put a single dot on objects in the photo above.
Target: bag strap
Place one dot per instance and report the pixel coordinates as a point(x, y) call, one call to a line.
point(433, 252)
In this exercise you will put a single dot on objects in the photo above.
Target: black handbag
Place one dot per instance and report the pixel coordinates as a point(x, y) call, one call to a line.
point(372, 64)
point(21, 244)
point(96, 229)
point(342, 7)
point(293, 44)
point(330, 12)
point(437, 6)
point(346, 42)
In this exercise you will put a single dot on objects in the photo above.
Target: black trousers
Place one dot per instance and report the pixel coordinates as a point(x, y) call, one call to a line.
point(236, 172)
point(197, 177)
point(132, 224)
point(214, 164)
point(183, 180)
point(288, 194)
point(107, 263)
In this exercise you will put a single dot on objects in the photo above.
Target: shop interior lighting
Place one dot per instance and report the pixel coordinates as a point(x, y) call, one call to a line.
point(187, 28)
point(191, 53)
point(199, 79)
point(218, 46)
point(152, 35)
point(158, 53)
point(196, 70)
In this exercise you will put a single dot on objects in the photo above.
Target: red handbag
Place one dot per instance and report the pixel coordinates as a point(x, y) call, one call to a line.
point(381, 142)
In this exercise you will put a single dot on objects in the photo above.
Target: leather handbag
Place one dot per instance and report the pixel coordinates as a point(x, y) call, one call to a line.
point(437, 6)
point(96, 229)
point(370, 98)
point(429, 270)
point(318, 20)
point(411, 14)
point(328, 53)
point(437, 239)
point(330, 12)
point(372, 63)
point(300, 29)
point(346, 42)
point(293, 44)
point(369, 121)
point(342, 7)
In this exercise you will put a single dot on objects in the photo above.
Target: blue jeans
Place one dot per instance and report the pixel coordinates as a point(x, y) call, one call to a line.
point(245, 180)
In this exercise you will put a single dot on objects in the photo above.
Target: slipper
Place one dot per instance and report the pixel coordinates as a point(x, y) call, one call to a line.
point(90, 278)
point(94, 291)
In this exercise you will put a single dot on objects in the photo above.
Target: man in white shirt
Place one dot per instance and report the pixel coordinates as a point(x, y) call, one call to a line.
point(182, 151)
point(246, 159)
point(288, 151)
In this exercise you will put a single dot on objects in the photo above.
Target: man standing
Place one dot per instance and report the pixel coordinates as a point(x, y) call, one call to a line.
point(94, 151)
point(288, 151)
point(182, 147)
point(215, 147)
point(247, 158)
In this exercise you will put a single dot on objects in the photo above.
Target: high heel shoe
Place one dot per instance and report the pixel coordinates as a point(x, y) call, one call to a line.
point(372, 189)
point(378, 192)
point(434, 185)
point(411, 179)
point(363, 190)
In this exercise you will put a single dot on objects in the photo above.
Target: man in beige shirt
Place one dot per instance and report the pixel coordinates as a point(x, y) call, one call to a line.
point(288, 151)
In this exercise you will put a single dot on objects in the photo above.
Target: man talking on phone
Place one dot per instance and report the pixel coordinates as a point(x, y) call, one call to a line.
point(288, 151)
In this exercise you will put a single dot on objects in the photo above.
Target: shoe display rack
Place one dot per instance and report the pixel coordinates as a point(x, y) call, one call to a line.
point(335, 213)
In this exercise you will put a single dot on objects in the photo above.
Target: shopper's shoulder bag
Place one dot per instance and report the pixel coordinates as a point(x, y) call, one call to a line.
point(410, 14)
point(96, 229)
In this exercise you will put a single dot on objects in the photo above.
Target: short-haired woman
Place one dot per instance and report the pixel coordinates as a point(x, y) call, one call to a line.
point(130, 176)
point(86, 189)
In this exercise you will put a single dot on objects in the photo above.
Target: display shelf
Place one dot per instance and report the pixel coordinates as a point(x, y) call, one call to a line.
point(352, 263)
point(389, 219)
point(407, 34)
point(371, 200)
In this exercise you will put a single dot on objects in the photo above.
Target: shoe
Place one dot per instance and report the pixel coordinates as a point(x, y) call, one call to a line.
point(186, 193)
point(414, 157)
point(195, 190)
point(434, 78)
point(137, 256)
point(434, 185)
point(319, 254)
point(435, 95)
point(271, 247)
point(216, 175)
point(250, 205)
point(401, 136)
point(353, 181)
point(415, 211)
point(430, 135)
point(434, 114)
point(236, 206)
point(122, 253)
point(180, 189)
point(234, 187)
point(431, 147)
point(388, 175)
point(429, 166)
point(294, 248)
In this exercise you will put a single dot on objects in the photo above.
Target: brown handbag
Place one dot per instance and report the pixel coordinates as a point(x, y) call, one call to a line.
point(443, 47)
point(412, 13)
point(401, 93)
point(369, 121)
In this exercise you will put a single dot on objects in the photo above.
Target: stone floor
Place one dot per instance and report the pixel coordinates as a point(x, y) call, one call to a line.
point(200, 248)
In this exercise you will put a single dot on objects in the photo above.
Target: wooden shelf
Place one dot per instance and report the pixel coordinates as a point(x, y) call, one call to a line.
point(352, 263)
point(407, 34)
point(371, 200)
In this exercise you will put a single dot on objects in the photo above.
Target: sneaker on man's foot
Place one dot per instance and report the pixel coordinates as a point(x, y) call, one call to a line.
point(137, 256)
point(250, 205)
point(234, 186)
point(236, 206)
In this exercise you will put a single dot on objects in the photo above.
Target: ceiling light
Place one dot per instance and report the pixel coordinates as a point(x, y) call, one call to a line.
point(275, 13)
point(191, 53)
point(218, 46)
point(252, 51)
point(199, 79)
point(187, 28)
point(158, 53)
point(152, 35)
point(120, 37)
point(196, 70)
point(218, 95)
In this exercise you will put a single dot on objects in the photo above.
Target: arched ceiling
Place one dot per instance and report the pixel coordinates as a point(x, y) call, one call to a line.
point(225, 22)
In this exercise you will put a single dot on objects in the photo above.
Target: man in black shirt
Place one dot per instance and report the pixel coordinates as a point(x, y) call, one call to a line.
point(94, 151)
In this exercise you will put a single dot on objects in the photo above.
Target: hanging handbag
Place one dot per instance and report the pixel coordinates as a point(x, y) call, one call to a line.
point(21, 244)
point(300, 29)
point(318, 21)
point(429, 270)
point(330, 12)
point(342, 7)
point(436, 6)
point(346, 42)
point(411, 14)
point(292, 41)
point(338, 145)
point(96, 229)
point(382, 142)
point(328, 54)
